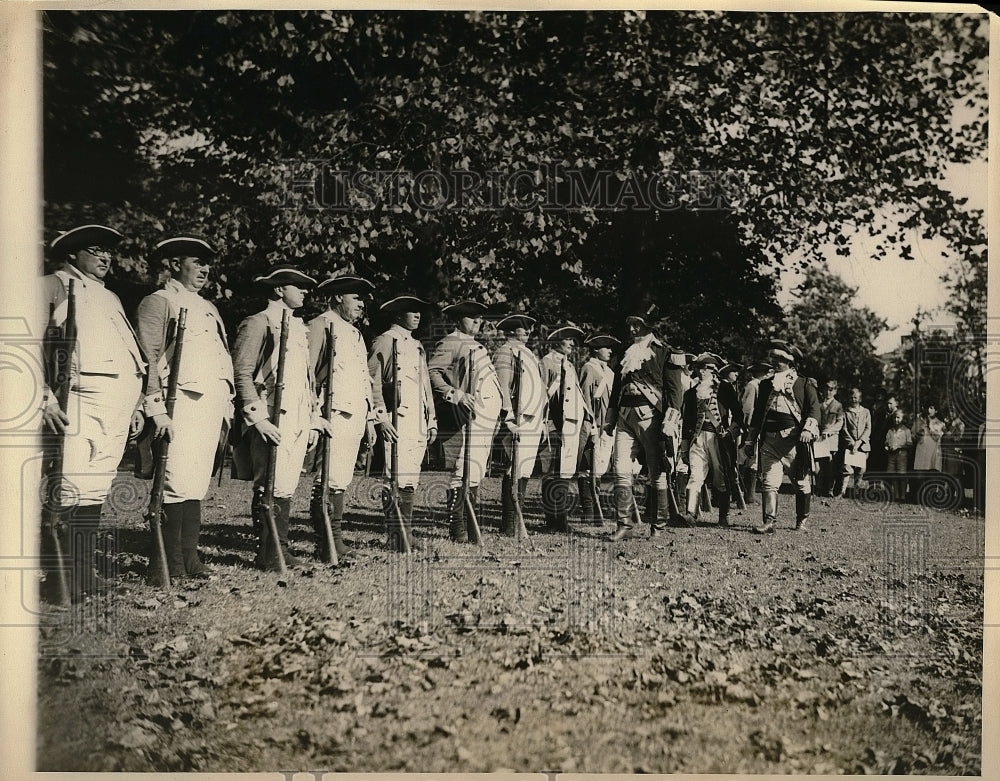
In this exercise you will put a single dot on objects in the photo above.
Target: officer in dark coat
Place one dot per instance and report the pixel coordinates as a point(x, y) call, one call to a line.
point(785, 423)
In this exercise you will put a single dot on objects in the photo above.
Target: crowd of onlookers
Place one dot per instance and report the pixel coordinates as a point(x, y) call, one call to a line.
point(885, 443)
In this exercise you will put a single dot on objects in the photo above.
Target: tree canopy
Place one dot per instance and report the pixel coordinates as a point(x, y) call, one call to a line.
point(611, 159)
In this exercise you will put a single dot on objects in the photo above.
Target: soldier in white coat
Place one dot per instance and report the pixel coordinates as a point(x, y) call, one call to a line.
point(107, 374)
point(596, 381)
point(413, 399)
point(568, 413)
point(204, 402)
point(352, 409)
point(532, 405)
point(255, 363)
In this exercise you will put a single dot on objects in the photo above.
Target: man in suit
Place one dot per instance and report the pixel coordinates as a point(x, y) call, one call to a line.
point(466, 382)
point(255, 362)
point(831, 421)
point(413, 398)
point(532, 409)
point(204, 395)
point(596, 380)
point(785, 423)
point(644, 417)
point(567, 414)
point(711, 420)
point(855, 443)
point(351, 399)
point(106, 377)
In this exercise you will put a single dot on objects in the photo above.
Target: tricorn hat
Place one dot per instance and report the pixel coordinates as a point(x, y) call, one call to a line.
point(404, 304)
point(515, 321)
point(706, 359)
point(783, 349)
point(183, 247)
point(86, 236)
point(565, 331)
point(597, 341)
point(731, 367)
point(465, 308)
point(344, 283)
point(285, 274)
point(759, 367)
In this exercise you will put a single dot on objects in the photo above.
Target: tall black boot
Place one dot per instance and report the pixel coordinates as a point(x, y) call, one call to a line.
point(171, 528)
point(84, 523)
point(662, 515)
point(507, 523)
point(587, 499)
point(722, 500)
point(282, 517)
point(769, 506)
point(457, 531)
point(257, 520)
point(802, 506)
point(336, 524)
point(190, 532)
point(623, 513)
point(406, 496)
point(548, 501)
point(749, 484)
point(650, 511)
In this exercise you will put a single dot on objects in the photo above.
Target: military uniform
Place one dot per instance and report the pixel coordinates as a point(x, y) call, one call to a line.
point(645, 407)
point(786, 421)
point(414, 403)
point(532, 411)
point(747, 401)
point(255, 361)
point(596, 444)
point(461, 365)
point(568, 412)
point(106, 379)
point(202, 407)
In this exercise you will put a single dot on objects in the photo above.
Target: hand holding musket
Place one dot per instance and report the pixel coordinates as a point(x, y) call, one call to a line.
point(394, 449)
point(62, 364)
point(155, 512)
point(324, 474)
point(467, 463)
point(520, 529)
point(727, 453)
point(267, 504)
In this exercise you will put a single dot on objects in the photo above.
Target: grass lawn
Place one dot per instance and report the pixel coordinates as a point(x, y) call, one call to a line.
point(852, 647)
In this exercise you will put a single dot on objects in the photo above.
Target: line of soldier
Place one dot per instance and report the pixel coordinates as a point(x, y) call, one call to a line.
point(649, 413)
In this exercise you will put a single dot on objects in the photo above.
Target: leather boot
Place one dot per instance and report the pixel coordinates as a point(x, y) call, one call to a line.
point(84, 523)
point(662, 512)
point(406, 496)
point(471, 529)
point(623, 514)
point(457, 531)
point(190, 532)
point(802, 506)
point(687, 520)
point(268, 553)
point(548, 501)
point(257, 519)
point(172, 529)
point(507, 524)
point(749, 485)
point(587, 512)
point(282, 511)
point(336, 524)
point(50, 590)
point(722, 500)
point(769, 502)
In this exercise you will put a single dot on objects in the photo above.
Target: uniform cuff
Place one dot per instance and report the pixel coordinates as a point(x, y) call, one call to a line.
point(255, 412)
point(154, 405)
point(450, 395)
point(811, 427)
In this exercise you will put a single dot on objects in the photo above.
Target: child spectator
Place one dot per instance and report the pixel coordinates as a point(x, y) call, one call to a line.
point(898, 442)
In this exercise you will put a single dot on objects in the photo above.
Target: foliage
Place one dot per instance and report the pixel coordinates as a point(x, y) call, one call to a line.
point(835, 336)
point(203, 121)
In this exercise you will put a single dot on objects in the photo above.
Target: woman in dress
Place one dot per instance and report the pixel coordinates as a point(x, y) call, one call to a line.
point(927, 433)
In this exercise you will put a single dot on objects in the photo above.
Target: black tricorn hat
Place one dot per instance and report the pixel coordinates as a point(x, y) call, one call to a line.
point(465, 308)
point(597, 341)
point(344, 283)
point(565, 331)
point(731, 367)
point(404, 304)
point(515, 321)
point(86, 236)
point(183, 247)
point(285, 274)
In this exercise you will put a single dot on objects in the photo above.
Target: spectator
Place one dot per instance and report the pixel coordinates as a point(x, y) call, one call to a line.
point(927, 433)
point(855, 442)
point(898, 443)
point(883, 418)
point(827, 445)
point(952, 444)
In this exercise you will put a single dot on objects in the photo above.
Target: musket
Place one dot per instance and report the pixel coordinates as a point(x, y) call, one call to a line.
point(154, 514)
point(327, 445)
point(267, 504)
point(62, 366)
point(394, 449)
point(733, 481)
point(520, 530)
point(595, 437)
point(467, 461)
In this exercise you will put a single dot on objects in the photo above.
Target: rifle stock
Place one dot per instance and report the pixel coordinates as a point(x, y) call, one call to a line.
point(520, 530)
point(62, 367)
point(154, 514)
point(324, 474)
point(267, 504)
point(394, 449)
point(467, 461)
